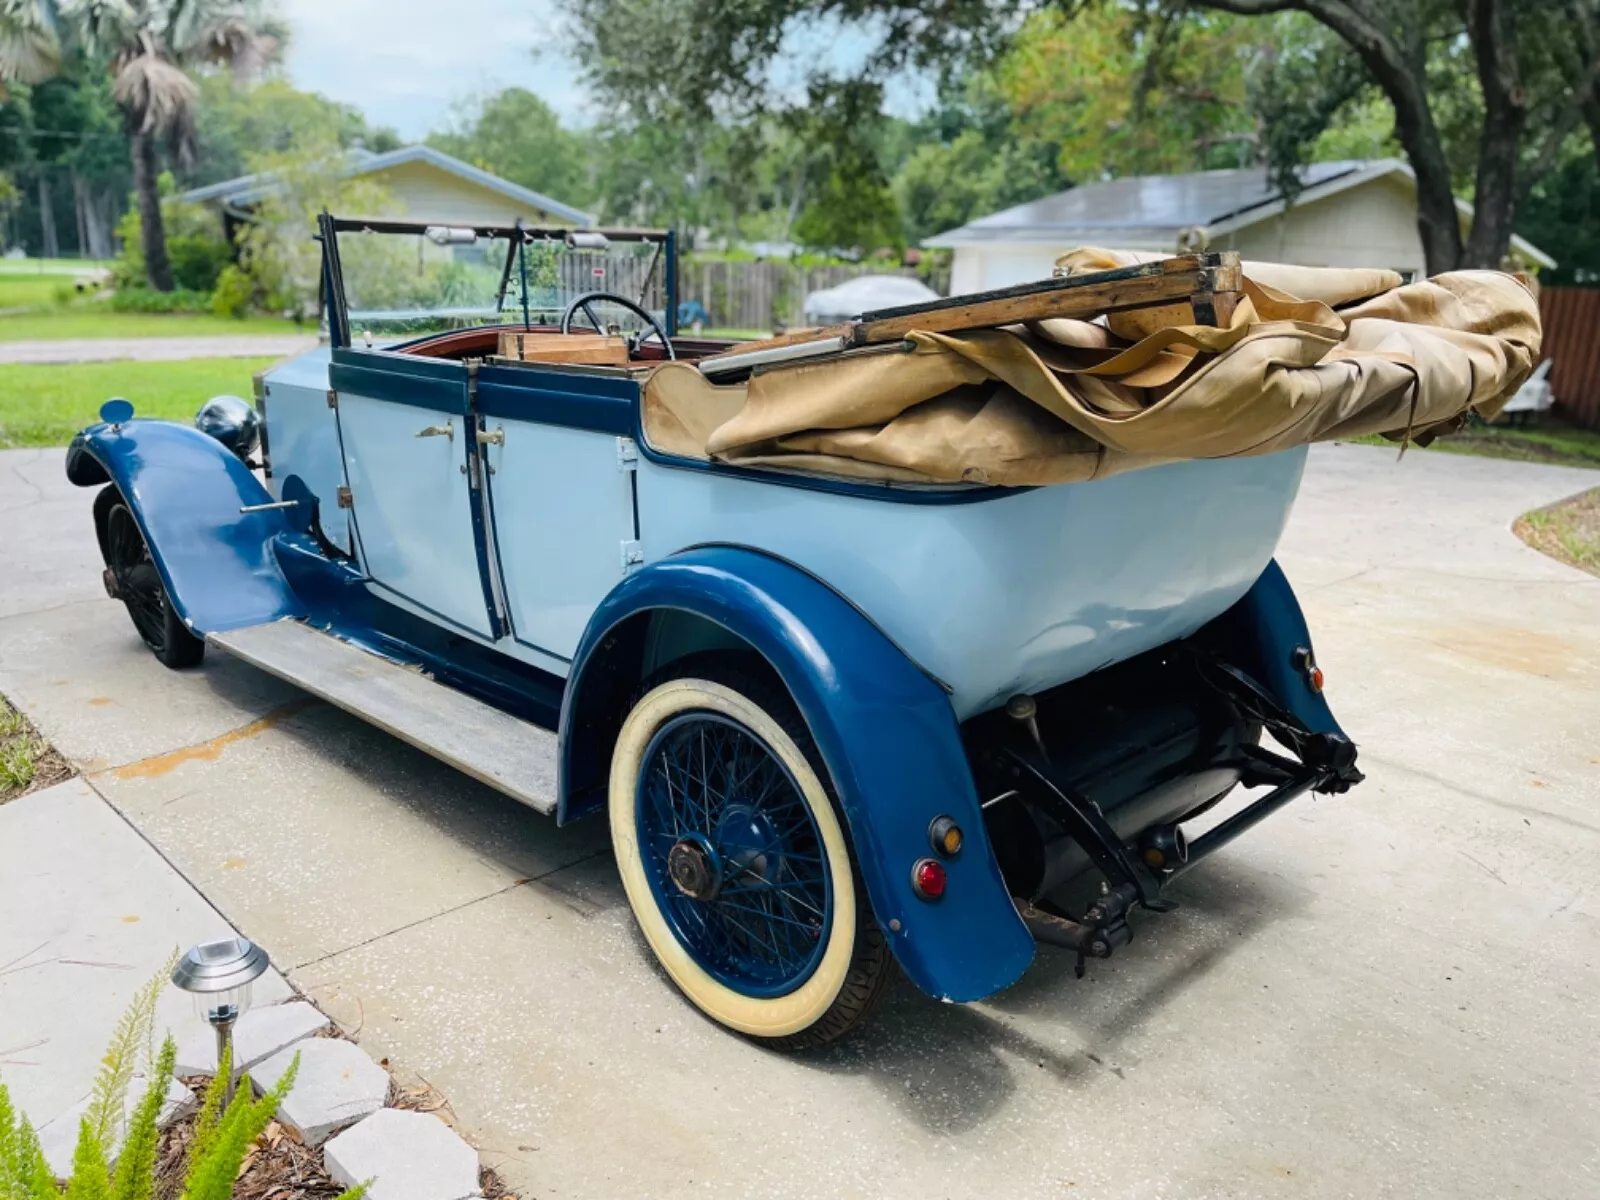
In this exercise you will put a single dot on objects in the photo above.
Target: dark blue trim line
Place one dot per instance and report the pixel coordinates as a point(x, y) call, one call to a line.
point(591, 402)
point(420, 382)
point(887, 492)
point(477, 472)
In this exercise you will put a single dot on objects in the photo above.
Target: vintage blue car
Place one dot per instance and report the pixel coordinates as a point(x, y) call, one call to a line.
point(838, 727)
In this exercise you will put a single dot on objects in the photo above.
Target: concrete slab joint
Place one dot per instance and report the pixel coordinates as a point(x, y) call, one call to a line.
point(336, 1085)
point(260, 1033)
point(406, 1155)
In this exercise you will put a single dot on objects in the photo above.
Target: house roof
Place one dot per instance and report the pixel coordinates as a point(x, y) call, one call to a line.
point(247, 189)
point(1145, 210)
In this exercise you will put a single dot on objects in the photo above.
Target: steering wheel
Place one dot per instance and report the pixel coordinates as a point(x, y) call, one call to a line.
point(583, 302)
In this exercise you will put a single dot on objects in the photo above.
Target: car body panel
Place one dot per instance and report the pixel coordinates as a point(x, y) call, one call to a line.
point(885, 731)
point(1021, 591)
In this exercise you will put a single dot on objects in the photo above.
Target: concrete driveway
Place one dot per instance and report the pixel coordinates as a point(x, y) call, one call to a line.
point(1391, 993)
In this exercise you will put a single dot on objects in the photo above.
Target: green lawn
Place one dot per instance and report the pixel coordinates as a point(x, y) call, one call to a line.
point(46, 405)
point(1552, 440)
point(31, 291)
point(83, 321)
point(51, 266)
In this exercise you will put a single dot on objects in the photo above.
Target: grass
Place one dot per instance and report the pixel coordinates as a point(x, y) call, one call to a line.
point(46, 405)
point(30, 291)
point(27, 761)
point(1551, 441)
point(1569, 531)
point(51, 266)
point(82, 321)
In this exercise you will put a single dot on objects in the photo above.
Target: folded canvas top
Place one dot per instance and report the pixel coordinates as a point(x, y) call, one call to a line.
point(1310, 354)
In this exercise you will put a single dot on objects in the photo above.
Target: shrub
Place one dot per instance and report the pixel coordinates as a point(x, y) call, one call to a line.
point(222, 1135)
point(236, 293)
point(197, 260)
point(148, 300)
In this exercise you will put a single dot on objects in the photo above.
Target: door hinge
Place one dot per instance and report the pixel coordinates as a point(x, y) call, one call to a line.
point(333, 398)
point(345, 499)
point(632, 556)
point(627, 454)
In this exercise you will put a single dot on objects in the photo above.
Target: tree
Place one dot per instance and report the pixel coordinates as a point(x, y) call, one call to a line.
point(1530, 70)
point(1511, 78)
point(975, 154)
point(235, 120)
point(519, 137)
point(145, 45)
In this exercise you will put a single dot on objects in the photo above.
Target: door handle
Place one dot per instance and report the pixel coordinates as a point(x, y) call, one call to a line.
point(444, 431)
point(497, 438)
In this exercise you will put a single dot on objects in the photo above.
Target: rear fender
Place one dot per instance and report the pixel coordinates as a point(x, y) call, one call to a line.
point(185, 491)
point(884, 728)
point(1264, 634)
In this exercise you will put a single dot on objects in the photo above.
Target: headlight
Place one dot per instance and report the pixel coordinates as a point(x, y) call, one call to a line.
point(233, 422)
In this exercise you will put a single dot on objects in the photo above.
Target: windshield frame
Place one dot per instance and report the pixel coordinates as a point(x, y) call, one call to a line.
point(518, 237)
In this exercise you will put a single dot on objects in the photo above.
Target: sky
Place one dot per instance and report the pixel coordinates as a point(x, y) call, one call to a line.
point(407, 63)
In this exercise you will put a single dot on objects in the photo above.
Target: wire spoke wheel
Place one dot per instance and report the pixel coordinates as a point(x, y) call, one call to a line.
point(734, 857)
point(733, 854)
point(132, 574)
point(138, 581)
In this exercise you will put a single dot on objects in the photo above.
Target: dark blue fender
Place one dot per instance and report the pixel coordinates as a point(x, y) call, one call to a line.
point(1262, 634)
point(887, 734)
point(185, 490)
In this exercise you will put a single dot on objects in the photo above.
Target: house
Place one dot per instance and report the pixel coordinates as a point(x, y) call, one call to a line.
point(1349, 214)
point(427, 185)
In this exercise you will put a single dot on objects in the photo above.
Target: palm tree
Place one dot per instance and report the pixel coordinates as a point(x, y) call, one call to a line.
point(146, 45)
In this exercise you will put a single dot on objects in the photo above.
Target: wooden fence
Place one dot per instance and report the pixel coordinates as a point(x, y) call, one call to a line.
point(758, 296)
point(1572, 340)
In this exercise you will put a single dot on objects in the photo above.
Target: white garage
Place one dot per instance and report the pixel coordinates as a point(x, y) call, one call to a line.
point(1349, 214)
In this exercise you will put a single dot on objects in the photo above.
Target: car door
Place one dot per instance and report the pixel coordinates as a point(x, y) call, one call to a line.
point(560, 478)
point(411, 463)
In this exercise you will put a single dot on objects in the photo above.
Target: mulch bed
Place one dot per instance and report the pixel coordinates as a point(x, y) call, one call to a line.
point(279, 1167)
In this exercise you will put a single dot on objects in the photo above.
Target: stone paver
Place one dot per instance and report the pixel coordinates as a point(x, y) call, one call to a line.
point(335, 1085)
point(88, 913)
point(171, 349)
point(406, 1155)
point(257, 1036)
point(59, 1138)
point(1379, 995)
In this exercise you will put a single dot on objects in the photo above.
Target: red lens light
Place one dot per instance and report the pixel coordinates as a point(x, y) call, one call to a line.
point(928, 878)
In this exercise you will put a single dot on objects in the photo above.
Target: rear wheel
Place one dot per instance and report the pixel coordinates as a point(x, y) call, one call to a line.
point(735, 861)
point(132, 573)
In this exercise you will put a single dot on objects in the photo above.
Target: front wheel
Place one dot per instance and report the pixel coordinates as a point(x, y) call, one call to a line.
point(736, 864)
point(132, 577)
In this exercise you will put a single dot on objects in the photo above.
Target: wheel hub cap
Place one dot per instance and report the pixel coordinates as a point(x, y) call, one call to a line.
point(694, 869)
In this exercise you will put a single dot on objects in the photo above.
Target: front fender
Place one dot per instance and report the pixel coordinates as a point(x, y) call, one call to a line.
point(886, 733)
point(185, 491)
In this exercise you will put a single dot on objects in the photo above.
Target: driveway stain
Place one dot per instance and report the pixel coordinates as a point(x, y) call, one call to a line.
point(161, 764)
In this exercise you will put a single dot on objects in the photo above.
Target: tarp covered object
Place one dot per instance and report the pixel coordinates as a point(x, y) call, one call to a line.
point(1311, 354)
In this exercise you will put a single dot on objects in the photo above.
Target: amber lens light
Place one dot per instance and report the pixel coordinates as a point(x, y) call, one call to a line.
point(928, 878)
point(945, 836)
point(1316, 679)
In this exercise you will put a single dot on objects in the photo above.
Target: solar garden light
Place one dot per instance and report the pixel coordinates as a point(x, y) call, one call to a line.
point(219, 975)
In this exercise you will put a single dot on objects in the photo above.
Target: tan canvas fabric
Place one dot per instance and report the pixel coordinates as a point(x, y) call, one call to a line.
point(1070, 400)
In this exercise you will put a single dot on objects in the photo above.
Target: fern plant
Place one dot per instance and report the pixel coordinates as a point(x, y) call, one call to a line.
point(222, 1135)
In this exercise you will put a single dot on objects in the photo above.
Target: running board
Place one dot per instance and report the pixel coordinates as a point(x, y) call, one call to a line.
point(513, 756)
